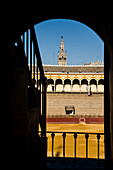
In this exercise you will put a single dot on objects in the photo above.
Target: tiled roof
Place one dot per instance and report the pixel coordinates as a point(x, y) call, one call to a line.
point(73, 68)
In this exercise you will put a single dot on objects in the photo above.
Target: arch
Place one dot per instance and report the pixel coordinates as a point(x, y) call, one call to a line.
point(67, 85)
point(89, 22)
point(84, 84)
point(58, 85)
point(93, 84)
point(76, 81)
point(93, 81)
point(50, 83)
point(101, 81)
point(58, 81)
point(76, 85)
point(101, 85)
point(84, 81)
point(105, 34)
point(67, 81)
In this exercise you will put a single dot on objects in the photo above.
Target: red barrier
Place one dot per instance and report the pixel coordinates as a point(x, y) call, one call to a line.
point(76, 120)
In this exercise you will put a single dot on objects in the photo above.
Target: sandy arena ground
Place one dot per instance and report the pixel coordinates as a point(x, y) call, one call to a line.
point(81, 141)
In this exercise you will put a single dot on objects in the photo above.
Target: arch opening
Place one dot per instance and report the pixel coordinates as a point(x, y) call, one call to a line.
point(50, 85)
point(76, 85)
point(101, 86)
point(84, 84)
point(79, 86)
point(67, 85)
point(93, 84)
point(101, 81)
point(58, 81)
point(84, 81)
point(50, 81)
point(67, 81)
point(76, 81)
point(58, 85)
point(93, 81)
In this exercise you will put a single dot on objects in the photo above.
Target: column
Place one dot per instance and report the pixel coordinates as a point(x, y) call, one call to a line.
point(107, 117)
point(71, 86)
point(54, 86)
point(80, 86)
point(97, 86)
point(63, 84)
point(88, 87)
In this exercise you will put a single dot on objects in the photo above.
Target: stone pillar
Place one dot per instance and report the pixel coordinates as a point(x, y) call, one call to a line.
point(88, 87)
point(89, 83)
point(71, 86)
point(80, 86)
point(107, 111)
point(63, 84)
point(111, 102)
point(54, 86)
point(97, 86)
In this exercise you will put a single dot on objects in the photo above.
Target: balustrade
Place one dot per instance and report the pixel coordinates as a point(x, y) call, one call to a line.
point(75, 136)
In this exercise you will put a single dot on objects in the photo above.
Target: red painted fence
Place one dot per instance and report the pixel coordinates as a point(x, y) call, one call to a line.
point(76, 120)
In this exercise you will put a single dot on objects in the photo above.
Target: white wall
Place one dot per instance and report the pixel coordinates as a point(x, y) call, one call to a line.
point(59, 88)
point(67, 88)
point(49, 88)
point(93, 88)
point(83, 88)
point(100, 88)
point(76, 88)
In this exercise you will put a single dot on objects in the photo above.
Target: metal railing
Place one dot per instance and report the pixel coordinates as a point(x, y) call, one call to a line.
point(28, 42)
point(75, 135)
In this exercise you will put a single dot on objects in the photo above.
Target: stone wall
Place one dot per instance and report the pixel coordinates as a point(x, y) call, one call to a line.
point(83, 103)
point(75, 88)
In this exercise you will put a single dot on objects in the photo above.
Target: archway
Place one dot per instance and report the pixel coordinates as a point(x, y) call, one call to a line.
point(76, 85)
point(84, 84)
point(93, 84)
point(97, 23)
point(101, 86)
point(67, 85)
point(50, 85)
point(67, 82)
point(59, 85)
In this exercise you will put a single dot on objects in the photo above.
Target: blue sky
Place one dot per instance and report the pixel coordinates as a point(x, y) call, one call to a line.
point(81, 42)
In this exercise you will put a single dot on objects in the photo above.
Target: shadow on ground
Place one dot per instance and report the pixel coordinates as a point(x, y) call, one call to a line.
point(75, 164)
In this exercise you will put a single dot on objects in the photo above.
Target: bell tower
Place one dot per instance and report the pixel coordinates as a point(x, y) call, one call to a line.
point(62, 56)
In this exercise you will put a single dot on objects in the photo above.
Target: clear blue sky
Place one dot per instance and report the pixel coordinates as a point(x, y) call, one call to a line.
point(81, 42)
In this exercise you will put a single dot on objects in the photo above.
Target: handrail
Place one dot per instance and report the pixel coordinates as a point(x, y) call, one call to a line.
point(28, 42)
point(36, 50)
point(42, 81)
point(91, 133)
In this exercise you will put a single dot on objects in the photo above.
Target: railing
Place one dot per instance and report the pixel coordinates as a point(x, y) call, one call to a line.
point(75, 135)
point(28, 42)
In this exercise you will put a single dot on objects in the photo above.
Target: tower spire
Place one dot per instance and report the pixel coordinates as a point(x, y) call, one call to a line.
point(62, 57)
